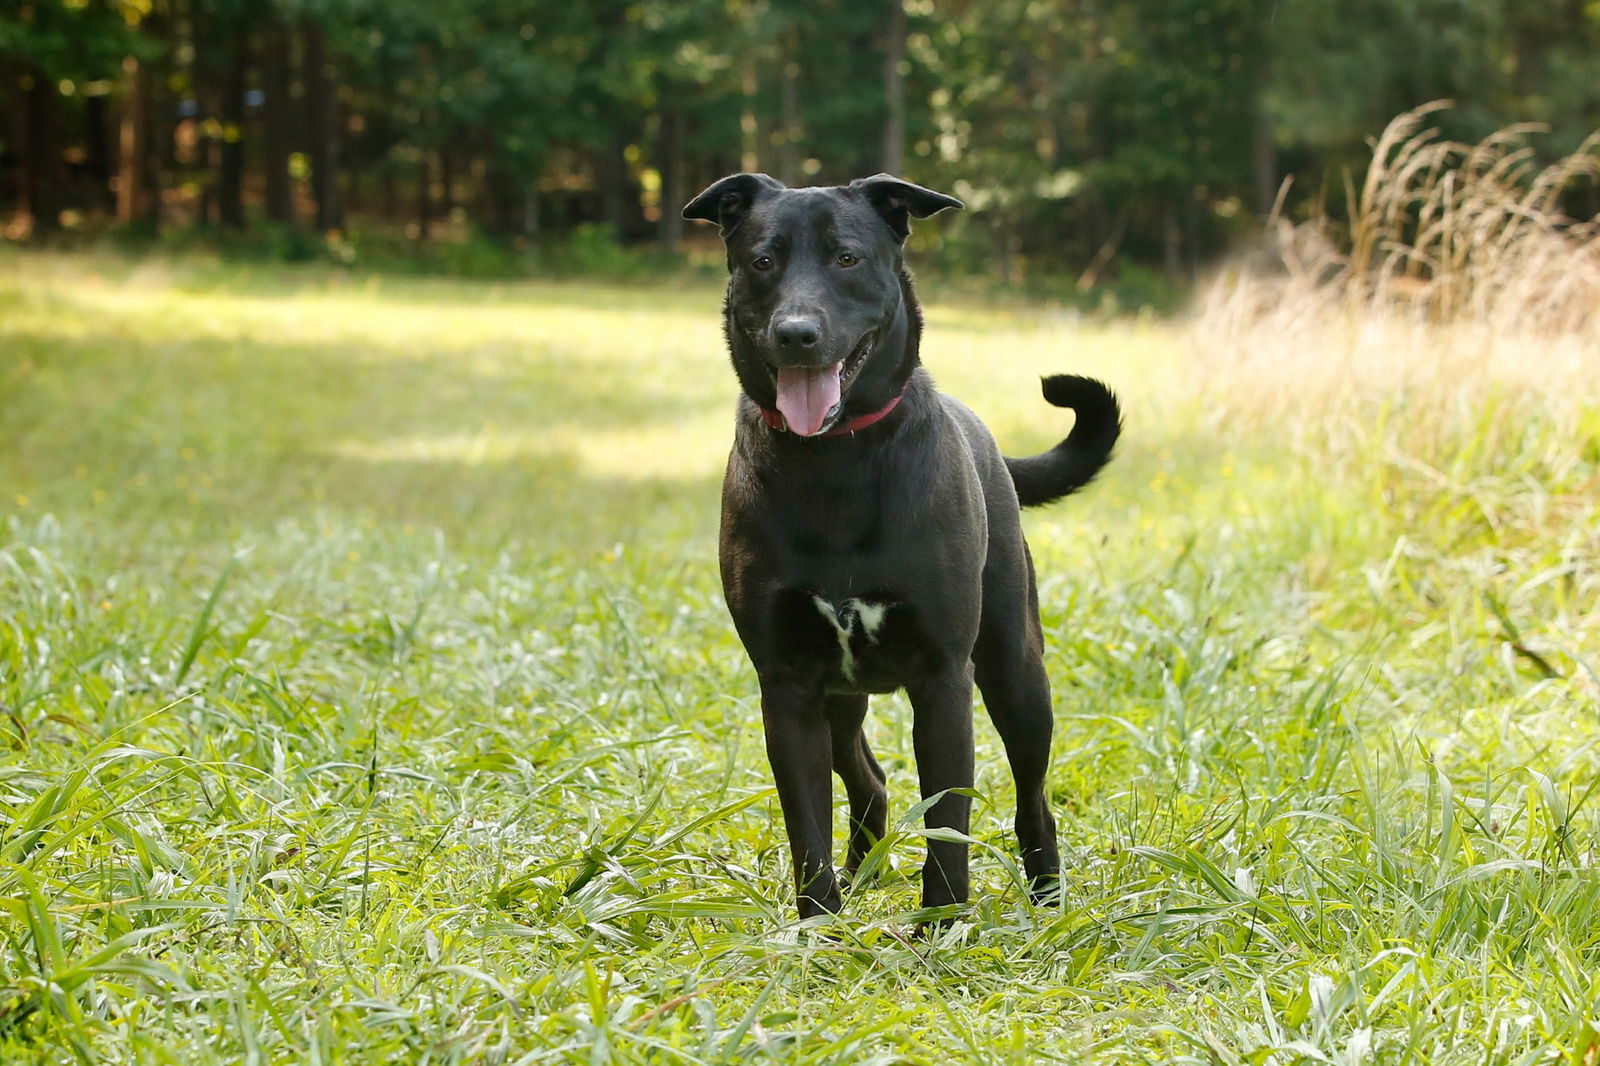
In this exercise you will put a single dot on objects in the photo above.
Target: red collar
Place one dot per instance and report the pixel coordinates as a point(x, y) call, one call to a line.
point(776, 420)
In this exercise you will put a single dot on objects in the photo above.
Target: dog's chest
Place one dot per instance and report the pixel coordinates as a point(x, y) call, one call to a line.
point(860, 644)
point(855, 624)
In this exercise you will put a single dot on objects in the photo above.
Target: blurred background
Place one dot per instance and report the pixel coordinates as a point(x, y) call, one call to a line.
point(1123, 142)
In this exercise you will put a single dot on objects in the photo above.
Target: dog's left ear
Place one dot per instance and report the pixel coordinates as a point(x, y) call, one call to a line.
point(727, 201)
point(900, 201)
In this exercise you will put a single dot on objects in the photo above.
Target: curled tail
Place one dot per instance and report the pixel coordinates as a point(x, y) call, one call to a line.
point(1073, 463)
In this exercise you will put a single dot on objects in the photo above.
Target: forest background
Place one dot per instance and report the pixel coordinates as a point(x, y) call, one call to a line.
point(1120, 145)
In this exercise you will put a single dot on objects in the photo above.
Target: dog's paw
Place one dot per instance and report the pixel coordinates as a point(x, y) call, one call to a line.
point(936, 923)
point(1046, 890)
point(852, 877)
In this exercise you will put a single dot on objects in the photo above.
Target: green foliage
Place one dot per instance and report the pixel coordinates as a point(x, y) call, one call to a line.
point(72, 40)
point(593, 249)
point(267, 243)
point(1083, 135)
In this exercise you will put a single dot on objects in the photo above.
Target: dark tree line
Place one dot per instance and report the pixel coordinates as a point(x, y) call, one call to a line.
point(1084, 134)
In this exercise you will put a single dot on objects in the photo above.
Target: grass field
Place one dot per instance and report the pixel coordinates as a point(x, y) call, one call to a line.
point(368, 696)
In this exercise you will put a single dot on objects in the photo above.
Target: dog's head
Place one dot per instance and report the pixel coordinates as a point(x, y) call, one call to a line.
point(815, 312)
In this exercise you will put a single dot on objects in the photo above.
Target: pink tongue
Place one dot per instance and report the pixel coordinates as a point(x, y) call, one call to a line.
point(806, 395)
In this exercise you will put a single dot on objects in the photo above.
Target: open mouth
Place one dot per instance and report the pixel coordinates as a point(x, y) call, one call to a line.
point(857, 358)
point(810, 398)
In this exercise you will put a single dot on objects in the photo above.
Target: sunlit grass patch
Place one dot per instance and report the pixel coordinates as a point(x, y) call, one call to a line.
point(368, 696)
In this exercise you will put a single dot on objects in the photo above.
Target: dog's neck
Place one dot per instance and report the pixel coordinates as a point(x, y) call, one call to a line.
point(776, 421)
point(913, 345)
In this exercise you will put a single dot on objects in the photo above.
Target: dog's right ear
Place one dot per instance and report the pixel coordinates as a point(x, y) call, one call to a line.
point(728, 201)
point(900, 201)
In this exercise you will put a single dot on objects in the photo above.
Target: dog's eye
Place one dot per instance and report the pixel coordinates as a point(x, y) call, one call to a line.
point(762, 262)
point(847, 260)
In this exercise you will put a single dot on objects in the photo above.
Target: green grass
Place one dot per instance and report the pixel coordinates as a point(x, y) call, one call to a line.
point(367, 696)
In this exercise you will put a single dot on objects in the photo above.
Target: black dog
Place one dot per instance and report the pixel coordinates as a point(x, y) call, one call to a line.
point(870, 531)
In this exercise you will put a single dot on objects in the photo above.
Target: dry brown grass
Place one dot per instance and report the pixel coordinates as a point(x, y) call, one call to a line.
point(1433, 368)
point(1457, 278)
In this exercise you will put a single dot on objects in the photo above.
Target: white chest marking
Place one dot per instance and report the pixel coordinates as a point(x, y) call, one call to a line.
point(845, 619)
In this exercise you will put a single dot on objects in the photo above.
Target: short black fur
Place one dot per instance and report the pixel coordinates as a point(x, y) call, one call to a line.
point(886, 558)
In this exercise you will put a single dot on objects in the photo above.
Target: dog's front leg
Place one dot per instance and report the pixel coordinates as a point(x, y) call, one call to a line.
point(799, 746)
point(941, 733)
point(863, 777)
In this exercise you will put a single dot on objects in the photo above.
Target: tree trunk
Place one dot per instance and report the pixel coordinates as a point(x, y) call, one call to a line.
point(382, 136)
point(1171, 240)
point(447, 185)
point(321, 128)
point(1260, 49)
point(424, 196)
point(1264, 162)
point(133, 142)
point(749, 122)
point(1091, 142)
point(230, 185)
point(388, 193)
point(201, 73)
point(41, 187)
point(277, 117)
point(161, 114)
point(501, 200)
point(669, 228)
point(612, 174)
point(789, 133)
point(894, 89)
point(1005, 249)
point(97, 150)
point(12, 123)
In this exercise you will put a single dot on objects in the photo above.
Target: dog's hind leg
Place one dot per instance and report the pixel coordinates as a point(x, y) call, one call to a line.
point(1009, 667)
point(941, 733)
point(863, 777)
point(798, 747)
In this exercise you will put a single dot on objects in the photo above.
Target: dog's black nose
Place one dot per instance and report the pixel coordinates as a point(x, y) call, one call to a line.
point(797, 331)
